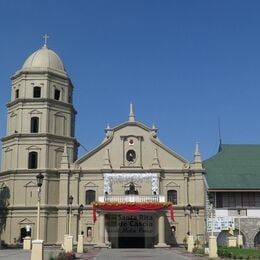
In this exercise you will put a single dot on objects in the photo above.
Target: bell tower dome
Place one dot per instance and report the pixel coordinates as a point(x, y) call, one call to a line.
point(41, 116)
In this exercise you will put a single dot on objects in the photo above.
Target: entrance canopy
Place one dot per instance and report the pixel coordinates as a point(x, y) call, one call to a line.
point(131, 207)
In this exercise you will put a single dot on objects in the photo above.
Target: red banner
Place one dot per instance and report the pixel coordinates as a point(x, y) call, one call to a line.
point(131, 207)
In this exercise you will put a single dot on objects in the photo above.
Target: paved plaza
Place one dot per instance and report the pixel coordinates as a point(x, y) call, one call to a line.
point(107, 254)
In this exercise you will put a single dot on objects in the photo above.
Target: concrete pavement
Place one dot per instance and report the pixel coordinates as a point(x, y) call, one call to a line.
point(107, 254)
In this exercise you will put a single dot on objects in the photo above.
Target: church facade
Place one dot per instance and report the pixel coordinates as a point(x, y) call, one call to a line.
point(130, 191)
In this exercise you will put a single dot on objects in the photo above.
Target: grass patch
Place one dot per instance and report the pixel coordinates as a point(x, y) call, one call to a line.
point(238, 253)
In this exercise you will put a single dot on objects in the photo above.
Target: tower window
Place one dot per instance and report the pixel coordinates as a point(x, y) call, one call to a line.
point(57, 94)
point(33, 160)
point(90, 196)
point(17, 93)
point(36, 92)
point(34, 124)
point(172, 196)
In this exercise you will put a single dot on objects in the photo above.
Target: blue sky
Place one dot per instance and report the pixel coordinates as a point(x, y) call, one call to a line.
point(184, 64)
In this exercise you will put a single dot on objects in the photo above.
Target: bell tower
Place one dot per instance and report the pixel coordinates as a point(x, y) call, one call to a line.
point(41, 116)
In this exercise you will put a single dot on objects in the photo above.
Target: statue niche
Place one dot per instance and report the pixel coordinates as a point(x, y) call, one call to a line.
point(132, 190)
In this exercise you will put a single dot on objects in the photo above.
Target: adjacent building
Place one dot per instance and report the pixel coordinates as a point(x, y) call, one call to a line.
point(233, 183)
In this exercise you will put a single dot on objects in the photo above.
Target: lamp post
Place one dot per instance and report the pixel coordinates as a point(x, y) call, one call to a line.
point(70, 212)
point(81, 208)
point(239, 212)
point(190, 240)
point(212, 238)
point(196, 210)
point(40, 178)
point(80, 236)
point(239, 237)
point(190, 210)
point(37, 245)
point(211, 201)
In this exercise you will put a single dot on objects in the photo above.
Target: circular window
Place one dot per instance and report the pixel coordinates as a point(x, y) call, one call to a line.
point(130, 156)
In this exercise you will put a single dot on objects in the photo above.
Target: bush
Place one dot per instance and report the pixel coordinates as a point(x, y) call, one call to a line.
point(198, 251)
point(64, 256)
point(238, 253)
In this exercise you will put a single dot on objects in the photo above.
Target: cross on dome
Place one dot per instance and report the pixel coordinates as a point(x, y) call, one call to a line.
point(45, 37)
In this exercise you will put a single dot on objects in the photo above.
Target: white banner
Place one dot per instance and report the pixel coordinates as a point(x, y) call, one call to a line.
point(220, 223)
point(109, 178)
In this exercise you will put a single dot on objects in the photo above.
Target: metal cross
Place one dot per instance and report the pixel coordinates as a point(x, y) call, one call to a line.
point(45, 39)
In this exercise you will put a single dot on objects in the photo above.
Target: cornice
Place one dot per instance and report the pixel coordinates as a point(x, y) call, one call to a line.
point(38, 135)
point(47, 101)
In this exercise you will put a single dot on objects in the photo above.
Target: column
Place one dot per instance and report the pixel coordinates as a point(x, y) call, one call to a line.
point(106, 238)
point(161, 231)
point(101, 221)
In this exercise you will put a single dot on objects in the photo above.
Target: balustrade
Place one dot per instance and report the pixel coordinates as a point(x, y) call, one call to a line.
point(131, 198)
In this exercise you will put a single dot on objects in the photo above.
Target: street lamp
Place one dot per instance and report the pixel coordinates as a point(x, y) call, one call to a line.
point(190, 210)
point(70, 213)
point(239, 214)
point(196, 210)
point(190, 241)
point(211, 201)
point(80, 236)
point(40, 178)
point(81, 208)
point(212, 239)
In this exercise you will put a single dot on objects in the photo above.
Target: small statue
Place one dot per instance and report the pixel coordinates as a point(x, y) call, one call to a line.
point(231, 231)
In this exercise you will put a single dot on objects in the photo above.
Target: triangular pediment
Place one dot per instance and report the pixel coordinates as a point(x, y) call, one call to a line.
point(90, 184)
point(3, 186)
point(26, 221)
point(172, 184)
point(139, 142)
point(33, 147)
point(35, 111)
point(31, 184)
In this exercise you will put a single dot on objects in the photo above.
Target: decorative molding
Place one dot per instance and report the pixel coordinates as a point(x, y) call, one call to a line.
point(30, 184)
point(90, 184)
point(172, 184)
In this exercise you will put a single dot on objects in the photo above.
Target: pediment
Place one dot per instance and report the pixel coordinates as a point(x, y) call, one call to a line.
point(35, 111)
point(30, 184)
point(26, 221)
point(60, 114)
point(8, 149)
point(140, 141)
point(3, 186)
point(33, 147)
point(59, 149)
point(172, 184)
point(90, 184)
point(13, 114)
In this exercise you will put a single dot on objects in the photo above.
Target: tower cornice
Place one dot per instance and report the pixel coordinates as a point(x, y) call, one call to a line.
point(48, 101)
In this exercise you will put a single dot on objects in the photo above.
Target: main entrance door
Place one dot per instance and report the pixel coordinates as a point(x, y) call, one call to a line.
point(131, 230)
point(131, 242)
point(131, 233)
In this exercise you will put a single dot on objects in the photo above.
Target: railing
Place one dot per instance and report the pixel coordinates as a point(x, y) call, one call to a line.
point(132, 198)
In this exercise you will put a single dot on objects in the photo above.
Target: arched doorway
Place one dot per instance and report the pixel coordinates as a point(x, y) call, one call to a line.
point(257, 240)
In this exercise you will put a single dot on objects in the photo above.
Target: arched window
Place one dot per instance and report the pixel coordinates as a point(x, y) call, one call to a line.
point(36, 92)
point(33, 160)
point(172, 196)
point(57, 94)
point(90, 196)
point(17, 93)
point(34, 124)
